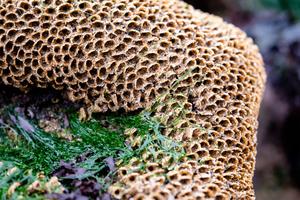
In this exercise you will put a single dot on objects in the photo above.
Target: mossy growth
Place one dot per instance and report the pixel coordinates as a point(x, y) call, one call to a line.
point(16, 183)
point(31, 150)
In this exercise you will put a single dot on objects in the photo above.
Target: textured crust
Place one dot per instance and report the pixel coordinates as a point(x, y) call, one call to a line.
point(128, 54)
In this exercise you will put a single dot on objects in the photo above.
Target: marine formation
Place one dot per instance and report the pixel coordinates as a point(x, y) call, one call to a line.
point(201, 77)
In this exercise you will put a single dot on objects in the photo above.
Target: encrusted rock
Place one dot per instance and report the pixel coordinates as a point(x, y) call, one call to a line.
point(129, 54)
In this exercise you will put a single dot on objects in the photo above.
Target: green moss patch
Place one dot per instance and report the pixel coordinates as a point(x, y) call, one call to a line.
point(85, 159)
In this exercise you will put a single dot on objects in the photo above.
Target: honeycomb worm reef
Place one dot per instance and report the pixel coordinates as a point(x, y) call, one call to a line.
point(125, 55)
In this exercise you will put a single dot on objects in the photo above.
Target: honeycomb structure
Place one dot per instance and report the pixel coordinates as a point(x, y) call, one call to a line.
point(130, 54)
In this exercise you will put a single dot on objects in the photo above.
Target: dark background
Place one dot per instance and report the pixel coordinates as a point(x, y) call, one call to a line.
point(275, 27)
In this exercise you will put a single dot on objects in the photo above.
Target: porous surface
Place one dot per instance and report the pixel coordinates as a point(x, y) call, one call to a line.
point(205, 74)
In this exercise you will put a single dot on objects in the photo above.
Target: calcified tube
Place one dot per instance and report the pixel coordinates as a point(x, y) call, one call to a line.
point(127, 54)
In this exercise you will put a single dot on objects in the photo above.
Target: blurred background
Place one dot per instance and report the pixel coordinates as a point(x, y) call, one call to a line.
point(275, 27)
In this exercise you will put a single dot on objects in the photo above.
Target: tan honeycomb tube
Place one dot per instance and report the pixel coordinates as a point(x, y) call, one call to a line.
point(127, 54)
